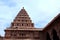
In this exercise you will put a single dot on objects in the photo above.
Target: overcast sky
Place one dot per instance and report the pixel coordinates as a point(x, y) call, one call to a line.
point(40, 11)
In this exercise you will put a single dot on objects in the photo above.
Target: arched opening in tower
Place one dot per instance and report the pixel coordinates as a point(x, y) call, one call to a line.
point(55, 37)
point(47, 36)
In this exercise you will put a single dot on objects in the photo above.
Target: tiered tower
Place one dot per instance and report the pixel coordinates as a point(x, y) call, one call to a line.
point(22, 28)
point(22, 20)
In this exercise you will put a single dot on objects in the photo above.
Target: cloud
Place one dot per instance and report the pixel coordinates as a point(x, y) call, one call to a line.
point(9, 3)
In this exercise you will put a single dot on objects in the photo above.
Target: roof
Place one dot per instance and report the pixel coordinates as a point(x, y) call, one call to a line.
point(31, 29)
point(55, 18)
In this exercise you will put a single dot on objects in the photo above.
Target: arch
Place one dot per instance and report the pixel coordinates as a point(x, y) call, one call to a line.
point(47, 36)
point(55, 37)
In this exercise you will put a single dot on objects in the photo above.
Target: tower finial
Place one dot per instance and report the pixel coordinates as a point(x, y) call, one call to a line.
point(23, 7)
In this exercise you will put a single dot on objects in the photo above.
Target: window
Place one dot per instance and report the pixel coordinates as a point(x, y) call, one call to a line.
point(16, 27)
point(22, 20)
point(18, 20)
point(17, 24)
point(22, 24)
point(27, 24)
point(26, 20)
point(22, 35)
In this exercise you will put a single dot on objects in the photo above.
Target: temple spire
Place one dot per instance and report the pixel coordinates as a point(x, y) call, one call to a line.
point(23, 7)
point(22, 20)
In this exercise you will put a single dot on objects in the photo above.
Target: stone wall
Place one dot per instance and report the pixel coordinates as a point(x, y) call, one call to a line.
point(53, 30)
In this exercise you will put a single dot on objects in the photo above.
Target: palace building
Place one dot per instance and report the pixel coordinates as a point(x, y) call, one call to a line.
point(22, 28)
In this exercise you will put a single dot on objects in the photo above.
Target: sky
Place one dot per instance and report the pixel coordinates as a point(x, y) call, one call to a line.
point(40, 11)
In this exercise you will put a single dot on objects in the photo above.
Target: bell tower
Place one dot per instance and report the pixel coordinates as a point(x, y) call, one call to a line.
point(22, 20)
point(22, 28)
point(21, 23)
